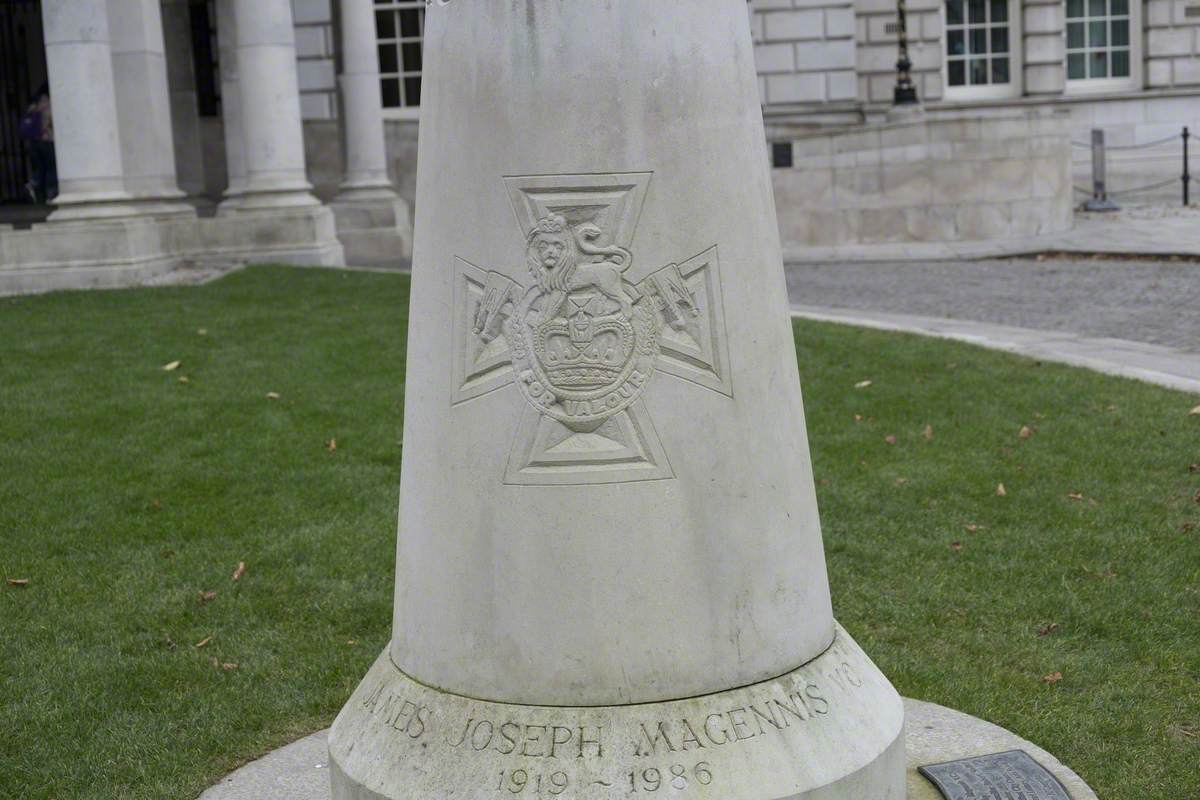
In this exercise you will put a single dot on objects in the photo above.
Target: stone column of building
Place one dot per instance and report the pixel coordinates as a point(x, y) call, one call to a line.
point(86, 132)
point(1044, 53)
point(270, 104)
point(362, 107)
point(231, 108)
point(185, 112)
point(143, 107)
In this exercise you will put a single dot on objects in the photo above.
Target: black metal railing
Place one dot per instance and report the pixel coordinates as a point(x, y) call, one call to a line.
point(1100, 195)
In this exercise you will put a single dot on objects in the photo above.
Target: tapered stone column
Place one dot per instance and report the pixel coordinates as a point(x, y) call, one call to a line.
point(87, 136)
point(610, 576)
point(144, 107)
point(270, 104)
point(373, 221)
point(185, 112)
point(231, 108)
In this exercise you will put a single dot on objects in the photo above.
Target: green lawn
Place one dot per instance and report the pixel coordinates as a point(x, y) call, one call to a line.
point(126, 493)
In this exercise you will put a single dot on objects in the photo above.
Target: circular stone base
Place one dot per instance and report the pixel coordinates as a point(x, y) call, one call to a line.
point(300, 771)
point(830, 730)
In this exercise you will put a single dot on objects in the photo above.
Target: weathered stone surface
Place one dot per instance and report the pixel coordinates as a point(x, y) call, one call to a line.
point(607, 502)
point(998, 176)
point(783, 738)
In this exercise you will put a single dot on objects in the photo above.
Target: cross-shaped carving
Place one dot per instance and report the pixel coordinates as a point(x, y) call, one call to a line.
point(583, 340)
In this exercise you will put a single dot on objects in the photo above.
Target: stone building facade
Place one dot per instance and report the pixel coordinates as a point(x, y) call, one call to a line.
point(1129, 67)
point(191, 114)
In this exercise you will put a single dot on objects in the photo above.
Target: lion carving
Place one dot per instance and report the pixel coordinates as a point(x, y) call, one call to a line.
point(554, 254)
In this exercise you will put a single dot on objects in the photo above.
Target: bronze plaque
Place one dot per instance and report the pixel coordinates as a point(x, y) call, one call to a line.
point(1012, 775)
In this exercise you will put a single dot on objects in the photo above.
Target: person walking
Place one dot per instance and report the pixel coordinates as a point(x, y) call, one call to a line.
point(37, 128)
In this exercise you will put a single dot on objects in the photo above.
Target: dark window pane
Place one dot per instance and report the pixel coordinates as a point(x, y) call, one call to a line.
point(1120, 32)
point(999, 70)
point(1120, 8)
point(958, 73)
point(1074, 8)
point(1096, 8)
point(999, 10)
point(385, 25)
point(979, 71)
point(956, 43)
point(999, 40)
point(410, 24)
point(978, 41)
point(412, 91)
point(977, 12)
point(1097, 34)
point(1120, 64)
point(1098, 65)
point(1076, 66)
point(954, 12)
point(412, 56)
point(391, 92)
point(387, 58)
point(1075, 35)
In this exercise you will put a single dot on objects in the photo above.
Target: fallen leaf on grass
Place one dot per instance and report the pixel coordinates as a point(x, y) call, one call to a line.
point(155, 504)
point(174, 365)
point(21, 582)
point(890, 438)
point(351, 642)
point(1047, 628)
point(183, 379)
point(1052, 678)
point(272, 395)
point(971, 527)
point(331, 445)
point(1193, 468)
point(1185, 730)
point(1075, 495)
point(900, 481)
point(205, 597)
point(824, 481)
point(202, 331)
point(1106, 574)
point(865, 384)
point(1185, 527)
point(1025, 432)
point(956, 546)
point(168, 642)
point(928, 433)
point(226, 665)
point(237, 573)
point(1196, 497)
point(203, 642)
point(1001, 491)
point(1195, 412)
point(858, 418)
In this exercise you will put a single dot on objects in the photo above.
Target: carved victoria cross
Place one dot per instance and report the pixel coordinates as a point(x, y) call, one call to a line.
point(579, 338)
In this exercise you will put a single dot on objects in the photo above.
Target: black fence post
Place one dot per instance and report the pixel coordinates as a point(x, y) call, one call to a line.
point(1187, 178)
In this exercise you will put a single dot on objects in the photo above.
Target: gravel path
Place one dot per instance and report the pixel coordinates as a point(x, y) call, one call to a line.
point(1143, 301)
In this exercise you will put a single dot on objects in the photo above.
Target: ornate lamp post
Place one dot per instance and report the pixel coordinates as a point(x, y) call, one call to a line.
point(905, 93)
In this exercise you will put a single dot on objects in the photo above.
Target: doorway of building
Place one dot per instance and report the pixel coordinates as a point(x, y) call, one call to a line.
point(22, 71)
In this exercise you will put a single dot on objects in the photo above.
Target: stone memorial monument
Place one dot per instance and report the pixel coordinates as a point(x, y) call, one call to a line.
point(610, 577)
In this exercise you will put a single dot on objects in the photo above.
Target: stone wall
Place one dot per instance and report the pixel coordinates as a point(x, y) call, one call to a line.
point(315, 65)
point(928, 181)
point(1172, 43)
point(804, 51)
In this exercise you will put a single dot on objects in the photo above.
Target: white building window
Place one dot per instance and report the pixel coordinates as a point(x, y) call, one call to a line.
point(400, 26)
point(982, 43)
point(1102, 50)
